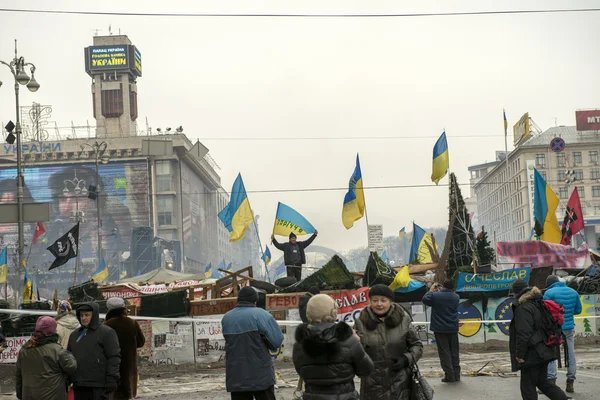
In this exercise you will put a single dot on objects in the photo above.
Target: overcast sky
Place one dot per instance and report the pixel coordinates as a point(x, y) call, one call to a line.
point(284, 78)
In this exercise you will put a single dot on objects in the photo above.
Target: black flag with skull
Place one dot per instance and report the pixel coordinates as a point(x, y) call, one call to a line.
point(65, 248)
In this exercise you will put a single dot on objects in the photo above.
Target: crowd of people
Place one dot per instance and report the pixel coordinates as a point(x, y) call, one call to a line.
point(75, 356)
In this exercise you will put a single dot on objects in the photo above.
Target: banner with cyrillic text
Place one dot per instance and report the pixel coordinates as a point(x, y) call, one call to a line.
point(537, 253)
point(491, 282)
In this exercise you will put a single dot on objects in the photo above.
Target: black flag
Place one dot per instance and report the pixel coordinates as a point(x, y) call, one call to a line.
point(65, 248)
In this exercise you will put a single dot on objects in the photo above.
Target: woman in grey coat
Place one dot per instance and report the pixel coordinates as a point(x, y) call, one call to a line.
point(43, 366)
point(386, 333)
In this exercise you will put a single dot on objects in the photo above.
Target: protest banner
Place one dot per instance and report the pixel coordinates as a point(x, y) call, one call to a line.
point(538, 253)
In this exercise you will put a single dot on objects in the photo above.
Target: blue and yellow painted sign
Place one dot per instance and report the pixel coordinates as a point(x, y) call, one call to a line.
point(491, 282)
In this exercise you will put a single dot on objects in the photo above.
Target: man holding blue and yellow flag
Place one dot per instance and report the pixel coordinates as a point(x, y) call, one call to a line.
point(288, 222)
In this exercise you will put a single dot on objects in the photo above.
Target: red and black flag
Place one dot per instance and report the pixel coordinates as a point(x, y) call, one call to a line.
point(573, 221)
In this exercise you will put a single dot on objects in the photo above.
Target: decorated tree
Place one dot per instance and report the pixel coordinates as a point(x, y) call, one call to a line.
point(462, 244)
point(485, 252)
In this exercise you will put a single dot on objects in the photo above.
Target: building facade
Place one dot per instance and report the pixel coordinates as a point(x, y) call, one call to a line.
point(505, 195)
point(477, 173)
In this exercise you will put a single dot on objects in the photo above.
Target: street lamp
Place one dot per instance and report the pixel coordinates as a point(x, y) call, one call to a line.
point(99, 149)
point(17, 68)
point(77, 216)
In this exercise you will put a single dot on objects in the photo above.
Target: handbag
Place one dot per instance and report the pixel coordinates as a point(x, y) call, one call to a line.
point(420, 388)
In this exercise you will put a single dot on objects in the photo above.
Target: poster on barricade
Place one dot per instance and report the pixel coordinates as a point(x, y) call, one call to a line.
point(537, 253)
point(350, 303)
point(13, 345)
point(491, 282)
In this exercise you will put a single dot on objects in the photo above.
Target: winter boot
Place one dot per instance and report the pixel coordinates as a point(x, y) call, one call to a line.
point(553, 381)
point(457, 374)
point(570, 388)
point(448, 379)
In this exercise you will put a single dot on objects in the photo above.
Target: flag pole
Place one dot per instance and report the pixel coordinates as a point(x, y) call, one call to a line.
point(510, 219)
point(261, 249)
point(365, 198)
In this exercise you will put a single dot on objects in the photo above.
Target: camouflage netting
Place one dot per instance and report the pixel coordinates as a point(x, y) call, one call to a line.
point(168, 305)
point(332, 276)
point(378, 272)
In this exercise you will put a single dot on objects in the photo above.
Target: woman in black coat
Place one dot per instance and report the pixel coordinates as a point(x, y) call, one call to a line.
point(327, 356)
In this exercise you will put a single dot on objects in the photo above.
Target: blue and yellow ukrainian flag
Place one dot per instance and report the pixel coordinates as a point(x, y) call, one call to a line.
point(288, 220)
point(384, 257)
point(545, 202)
point(418, 247)
point(3, 266)
point(218, 274)
point(441, 162)
point(279, 271)
point(237, 215)
point(229, 267)
point(101, 272)
point(27, 288)
point(505, 124)
point(123, 274)
point(403, 283)
point(402, 233)
point(354, 202)
point(208, 271)
point(266, 257)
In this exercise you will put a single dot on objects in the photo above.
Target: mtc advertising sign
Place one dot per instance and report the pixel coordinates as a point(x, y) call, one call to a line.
point(491, 282)
point(588, 120)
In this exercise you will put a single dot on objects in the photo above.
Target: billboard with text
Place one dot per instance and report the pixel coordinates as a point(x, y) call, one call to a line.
point(588, 120)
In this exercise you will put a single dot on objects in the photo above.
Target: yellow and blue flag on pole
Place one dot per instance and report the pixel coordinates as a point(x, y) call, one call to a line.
point(403, 283)
point(208, 271)
point(545, 202)
point(505, 124)
point(237, 215)
point(101, 272)
point(440, 159)
point(229, 266)
point(3, 266)
point(27, 288)
point(418, 247)
point(354, 202)
point(266, 257)
point(402, 233)
point(288, 220)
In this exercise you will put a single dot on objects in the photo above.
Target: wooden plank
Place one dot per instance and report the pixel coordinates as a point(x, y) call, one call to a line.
point(212, 306)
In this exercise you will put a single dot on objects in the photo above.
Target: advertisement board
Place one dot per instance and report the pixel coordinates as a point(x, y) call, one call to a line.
point(136, 65)
point(521, 129)
point(101, 58)
point(588, 120)
point(123, 206)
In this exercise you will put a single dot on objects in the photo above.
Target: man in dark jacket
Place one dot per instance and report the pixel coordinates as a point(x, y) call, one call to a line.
point(96, 349)
point(43, 366)
point(444, 324)
point(250, 332)
point(528, 351)
point(304, 302)
point(561, 294)
point(294, 256)
point(327, 355)
point(131, 338)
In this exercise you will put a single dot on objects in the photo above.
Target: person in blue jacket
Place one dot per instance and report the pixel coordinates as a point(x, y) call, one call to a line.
point(561, 294)
point(444, 324)
point(250, 332)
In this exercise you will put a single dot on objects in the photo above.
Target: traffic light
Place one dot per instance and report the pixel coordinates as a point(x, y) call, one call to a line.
point(10, 139)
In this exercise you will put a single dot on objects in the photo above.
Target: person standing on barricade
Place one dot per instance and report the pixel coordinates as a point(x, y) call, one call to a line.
point(387, 336)
point(250, 332)
point(294, 256)
point(327, 355)
point(444, 324)
point(43, 365)
point(96, 349)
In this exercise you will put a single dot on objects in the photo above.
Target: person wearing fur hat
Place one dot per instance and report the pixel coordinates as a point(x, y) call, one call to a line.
point(131, 338)
point(528, 351)
point(327, 355)
point(66, 321)
point(294, 256)
point(43, 365)
point(386, 333)
point(250, 332)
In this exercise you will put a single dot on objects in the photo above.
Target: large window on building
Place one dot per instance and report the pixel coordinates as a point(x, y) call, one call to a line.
point(164, 210)
point(595, 173)
point(577, 158)
point(581, 192)
point(540, 160)
point(578, 173)
point(595, 191)
point(562, 175)
point(164, 181)
point(596, 209)
point(594, 157)
point(560, 160)
point(563, 192)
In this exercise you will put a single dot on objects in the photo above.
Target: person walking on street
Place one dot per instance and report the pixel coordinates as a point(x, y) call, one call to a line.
point(327, 355)
point(294, 256)
point(388, 338)
point(66, 321)
point(96, 349)
point(528, 351)
point(131, 338)
point(444, 324)
point(563, 295)
point(303, 303)
point(43, 365)
point(250, 332)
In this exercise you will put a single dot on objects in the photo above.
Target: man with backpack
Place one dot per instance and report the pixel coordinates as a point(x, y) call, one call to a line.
point(533, 342)
point(563, 295)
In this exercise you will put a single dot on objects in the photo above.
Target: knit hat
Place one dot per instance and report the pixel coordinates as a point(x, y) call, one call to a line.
point(381, 290)
point(518, 286)
point(292, 235)
point(321, 308)
point(85, 308)
point(46, 325)
point(114, 303)
point(248, 294)
point(551, 279)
